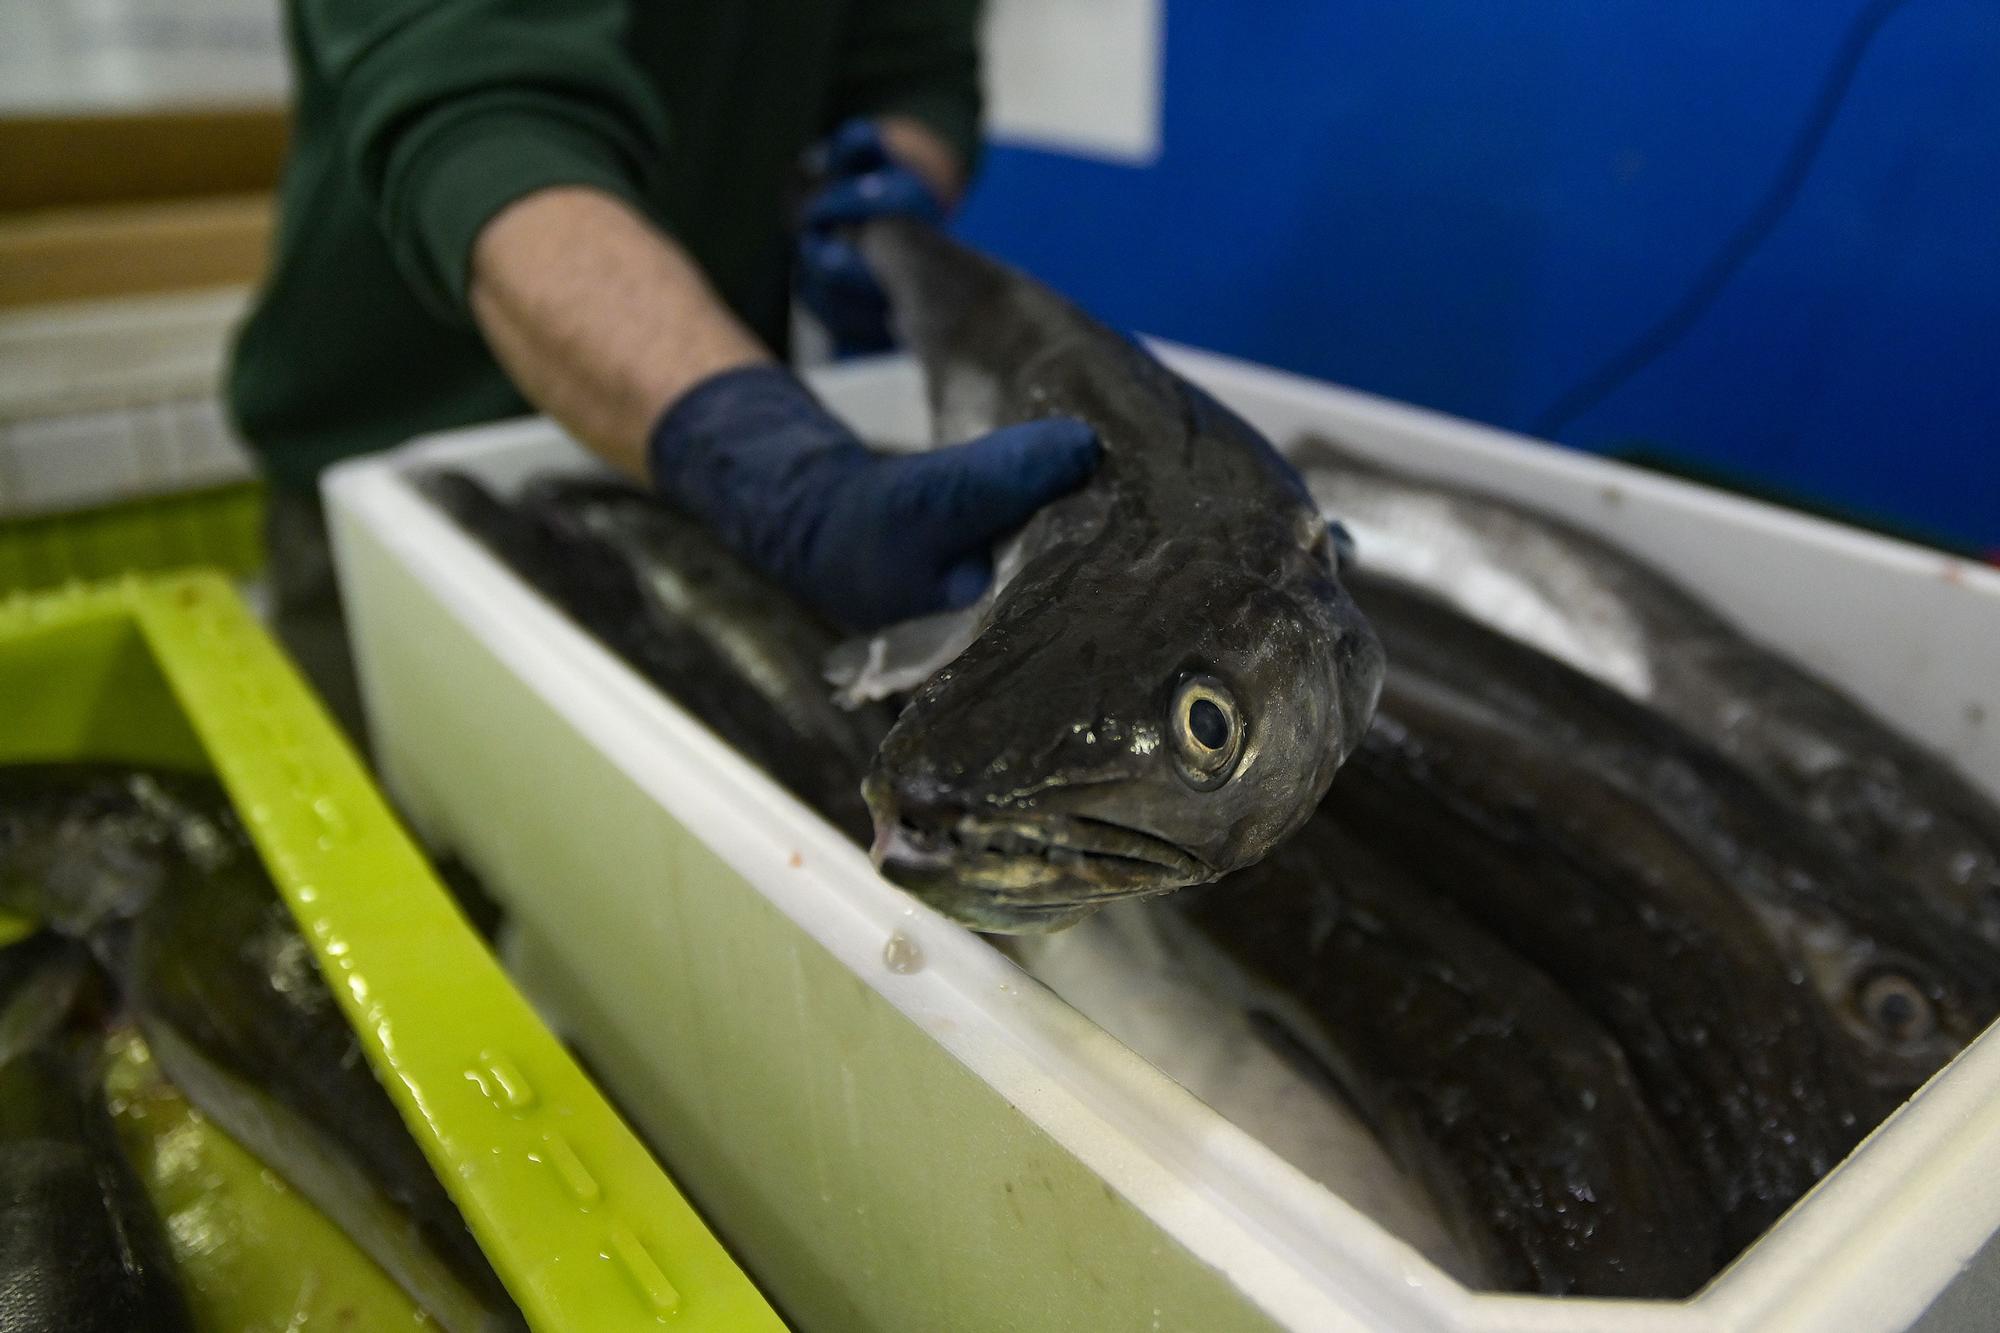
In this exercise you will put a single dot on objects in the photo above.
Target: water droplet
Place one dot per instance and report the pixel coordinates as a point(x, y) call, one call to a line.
point(901, 954)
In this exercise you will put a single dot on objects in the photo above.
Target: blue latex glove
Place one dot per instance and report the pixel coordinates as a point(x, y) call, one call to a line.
point(862, 182)
point(864, 538)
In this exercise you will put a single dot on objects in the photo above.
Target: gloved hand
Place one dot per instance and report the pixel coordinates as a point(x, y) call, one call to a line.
point(864, 538)
point(862, 182)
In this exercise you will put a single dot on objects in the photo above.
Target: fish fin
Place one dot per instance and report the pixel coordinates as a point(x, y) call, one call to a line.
point(899, 658)
point(310, 1162)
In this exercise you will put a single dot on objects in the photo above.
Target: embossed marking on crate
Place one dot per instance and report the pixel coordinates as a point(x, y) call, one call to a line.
point(639, 1266)
point(503, 1082)
point(575, 1176)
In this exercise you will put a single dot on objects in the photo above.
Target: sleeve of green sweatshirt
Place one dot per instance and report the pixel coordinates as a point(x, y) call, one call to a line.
point(918, 58)
point(451, 109)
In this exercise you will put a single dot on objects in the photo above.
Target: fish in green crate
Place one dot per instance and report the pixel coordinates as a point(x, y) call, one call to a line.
point(153, 869)
point(226, 992)
point(1165, 673)
point(1887, 801)
point(1513, 1107)
point(1755, 1081)
point(80, 1248)
point(254, 1256)
point(82, 844)
point(1906, 982)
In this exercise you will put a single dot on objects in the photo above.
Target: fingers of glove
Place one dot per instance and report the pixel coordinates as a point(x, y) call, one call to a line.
point(994, 484)
point(890, 191)
point(854, 148)
point(837, 287)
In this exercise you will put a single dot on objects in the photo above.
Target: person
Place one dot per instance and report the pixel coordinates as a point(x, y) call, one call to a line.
point(589, 209)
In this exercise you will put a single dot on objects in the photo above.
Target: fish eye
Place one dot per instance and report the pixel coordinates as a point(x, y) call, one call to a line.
point(1207, 732)
point(1895, 1006)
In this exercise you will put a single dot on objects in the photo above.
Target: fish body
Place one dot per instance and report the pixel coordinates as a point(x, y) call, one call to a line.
point(83, 844)
point(80, 1249)
point(1514, 1107)
point(1166, 672)
point(725, 643)
point(1738, 1057)
point(253, 1254)
point(1903, 980)
point(770, 647)
point(1885, 799)
point(1136, 971)
point(228, 995)
point(590, 583)
point(153, 869)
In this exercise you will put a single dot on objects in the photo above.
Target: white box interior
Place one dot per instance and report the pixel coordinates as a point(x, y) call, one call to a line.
point(1897, 1234)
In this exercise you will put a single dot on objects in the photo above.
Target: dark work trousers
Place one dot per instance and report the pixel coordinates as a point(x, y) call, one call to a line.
point(306, 613)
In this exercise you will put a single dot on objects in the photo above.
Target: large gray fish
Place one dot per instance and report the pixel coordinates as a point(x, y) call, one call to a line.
point(80, 1248)
point(1515, 1109)
point(1910, 987)
point(1577, 597)
point(1735, 1051)
point(725, 643)
point(1166, 673)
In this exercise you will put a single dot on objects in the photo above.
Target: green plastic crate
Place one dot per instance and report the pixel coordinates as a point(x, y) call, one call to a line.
point(577, 1218)
point(221, 527)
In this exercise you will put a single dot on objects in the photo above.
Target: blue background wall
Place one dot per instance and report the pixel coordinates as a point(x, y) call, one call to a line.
point(1474, 204)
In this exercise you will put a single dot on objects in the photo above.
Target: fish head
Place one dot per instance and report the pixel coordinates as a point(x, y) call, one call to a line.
point(1159, 729)
point(1908, 989)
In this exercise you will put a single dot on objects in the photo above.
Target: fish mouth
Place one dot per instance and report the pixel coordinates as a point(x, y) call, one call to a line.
point(1028, 874)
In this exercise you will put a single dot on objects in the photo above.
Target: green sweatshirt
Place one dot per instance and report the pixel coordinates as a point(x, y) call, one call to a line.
point(417, 120)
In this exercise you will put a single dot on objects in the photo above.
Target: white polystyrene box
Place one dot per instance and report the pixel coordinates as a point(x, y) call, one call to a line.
point(956, 1148)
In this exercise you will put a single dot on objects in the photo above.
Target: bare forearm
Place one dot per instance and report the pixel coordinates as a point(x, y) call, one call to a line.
point(599, 318)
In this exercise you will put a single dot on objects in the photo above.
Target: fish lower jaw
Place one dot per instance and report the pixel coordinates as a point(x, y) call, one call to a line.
point(1015, 876)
